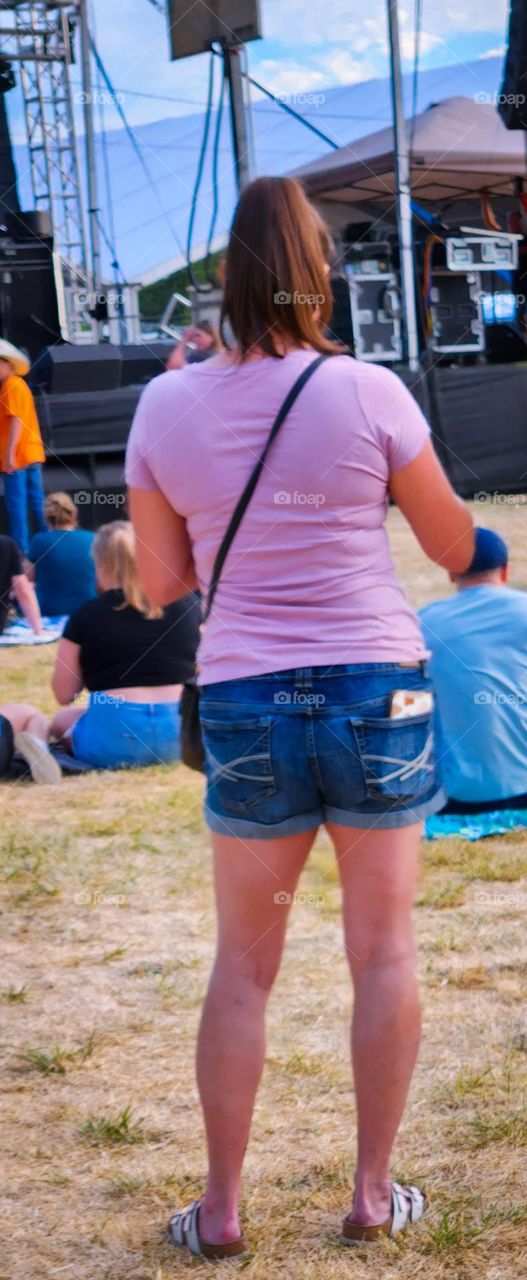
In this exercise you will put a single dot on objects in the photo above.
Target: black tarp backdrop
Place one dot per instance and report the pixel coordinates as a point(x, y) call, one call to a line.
point(478, 416)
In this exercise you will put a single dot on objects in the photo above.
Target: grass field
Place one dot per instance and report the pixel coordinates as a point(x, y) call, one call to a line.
point(107, 936)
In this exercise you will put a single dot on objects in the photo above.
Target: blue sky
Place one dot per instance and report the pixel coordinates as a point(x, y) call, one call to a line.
point(316, 53)
point(308, 44)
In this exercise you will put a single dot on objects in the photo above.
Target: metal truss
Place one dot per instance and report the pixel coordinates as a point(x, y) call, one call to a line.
point(39, 37)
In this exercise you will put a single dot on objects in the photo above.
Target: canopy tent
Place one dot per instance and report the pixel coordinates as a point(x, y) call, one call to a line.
point(460, 150)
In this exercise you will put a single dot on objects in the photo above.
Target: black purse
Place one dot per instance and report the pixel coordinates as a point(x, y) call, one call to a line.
point(192, 753)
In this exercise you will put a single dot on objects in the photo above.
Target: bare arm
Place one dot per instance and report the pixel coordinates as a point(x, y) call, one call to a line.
point(440, 520)
point(164, 553)
point(14, 429)
point(25, 596)
point(29, 570)
point(67, 680)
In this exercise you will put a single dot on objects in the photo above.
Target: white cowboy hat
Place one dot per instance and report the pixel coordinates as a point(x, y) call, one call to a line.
point(21, 364)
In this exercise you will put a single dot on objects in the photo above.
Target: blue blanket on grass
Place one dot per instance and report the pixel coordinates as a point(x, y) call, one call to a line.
point(20, 632)
point(475, 826)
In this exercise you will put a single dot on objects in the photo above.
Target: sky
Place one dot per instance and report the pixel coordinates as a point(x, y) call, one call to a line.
point(310, 51)
point(307, 45)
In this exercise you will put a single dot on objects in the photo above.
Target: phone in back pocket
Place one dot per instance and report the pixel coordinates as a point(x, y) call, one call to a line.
point(405, 703)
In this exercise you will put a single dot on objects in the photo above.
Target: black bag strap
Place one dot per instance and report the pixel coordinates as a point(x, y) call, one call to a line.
point(243, 502)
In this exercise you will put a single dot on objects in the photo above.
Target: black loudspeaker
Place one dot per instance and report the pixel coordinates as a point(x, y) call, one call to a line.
point(512, 104)
point(29, 315)
point(68, 369)
point(340, 326)
point(141, 362)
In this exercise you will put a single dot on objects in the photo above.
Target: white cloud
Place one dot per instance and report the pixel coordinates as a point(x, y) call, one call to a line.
point(344, 22)
point(495, 53)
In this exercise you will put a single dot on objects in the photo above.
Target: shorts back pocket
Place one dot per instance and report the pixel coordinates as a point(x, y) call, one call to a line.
point(238, 762)
point(397, 756)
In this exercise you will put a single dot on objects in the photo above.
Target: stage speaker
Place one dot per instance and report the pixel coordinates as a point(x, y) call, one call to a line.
point(29, 314)
point(455, 309)
point(194, 28)
point(141, 362)
point(68, 369)
point(512, 103)
point(340, 328)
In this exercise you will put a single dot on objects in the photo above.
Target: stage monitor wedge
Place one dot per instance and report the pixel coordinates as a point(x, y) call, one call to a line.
point(194, 28)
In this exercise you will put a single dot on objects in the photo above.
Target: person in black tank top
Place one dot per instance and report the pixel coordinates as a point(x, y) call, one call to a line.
point(131, 658)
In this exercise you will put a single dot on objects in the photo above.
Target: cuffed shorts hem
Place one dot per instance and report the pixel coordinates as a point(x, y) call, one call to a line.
point(243, 829)
point(380, 820)
point(387, 819)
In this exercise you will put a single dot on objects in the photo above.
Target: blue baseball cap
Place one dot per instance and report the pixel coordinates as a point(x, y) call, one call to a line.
point(491, 552)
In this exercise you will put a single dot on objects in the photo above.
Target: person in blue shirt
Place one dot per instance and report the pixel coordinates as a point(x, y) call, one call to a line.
point(60, 560)
point(478, 644)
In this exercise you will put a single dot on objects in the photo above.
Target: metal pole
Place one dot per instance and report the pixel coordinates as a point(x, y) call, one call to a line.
point(241, 135)
point(402, 185)
point(91, 169)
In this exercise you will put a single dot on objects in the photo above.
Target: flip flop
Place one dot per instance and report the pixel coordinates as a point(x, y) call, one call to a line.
point(183, 1230)
point(408, 1206)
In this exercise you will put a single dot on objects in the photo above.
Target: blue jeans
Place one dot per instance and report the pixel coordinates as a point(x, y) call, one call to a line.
point(22, 491)
point(290, 751)
point(114, 734)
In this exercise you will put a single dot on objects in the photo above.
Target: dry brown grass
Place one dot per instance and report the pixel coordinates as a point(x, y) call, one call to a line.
point(108, 930)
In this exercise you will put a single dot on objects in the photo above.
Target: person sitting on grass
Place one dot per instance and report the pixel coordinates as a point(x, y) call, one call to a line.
point(131, 657)
point(477, 639)
point(60, 560)
point(14, 585)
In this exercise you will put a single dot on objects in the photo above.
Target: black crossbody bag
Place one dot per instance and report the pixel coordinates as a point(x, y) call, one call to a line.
point(192, 752)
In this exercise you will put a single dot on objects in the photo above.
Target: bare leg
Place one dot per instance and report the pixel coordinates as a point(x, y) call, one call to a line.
point(25, 718)
point(378, 871)
point(63, 721)
point(254, 882)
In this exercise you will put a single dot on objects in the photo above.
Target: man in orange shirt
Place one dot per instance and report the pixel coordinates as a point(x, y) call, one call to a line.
point(21, 448)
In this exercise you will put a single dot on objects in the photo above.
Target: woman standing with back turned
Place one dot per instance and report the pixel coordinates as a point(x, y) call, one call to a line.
point(308, 638)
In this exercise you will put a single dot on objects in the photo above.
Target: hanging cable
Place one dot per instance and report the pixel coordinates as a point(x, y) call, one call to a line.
point(290, 111)
point(197, 285)
point(136, 146)
point(215, 179)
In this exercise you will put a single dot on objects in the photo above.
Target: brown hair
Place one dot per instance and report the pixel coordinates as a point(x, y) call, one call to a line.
point(60, 511)
point(277, 275)
point(114, 549)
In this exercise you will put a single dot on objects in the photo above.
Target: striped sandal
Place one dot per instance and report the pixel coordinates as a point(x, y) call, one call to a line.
point(183, 1230)
point(408, 1206)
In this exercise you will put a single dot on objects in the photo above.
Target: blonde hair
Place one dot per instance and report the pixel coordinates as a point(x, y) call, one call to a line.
point(114, 550)
point(60, 511)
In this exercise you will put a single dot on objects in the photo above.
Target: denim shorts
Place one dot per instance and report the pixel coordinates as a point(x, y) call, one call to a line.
point(292, 750)
point(114, 734)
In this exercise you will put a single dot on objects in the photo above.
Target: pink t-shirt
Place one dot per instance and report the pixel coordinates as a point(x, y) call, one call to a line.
point(309, 579)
